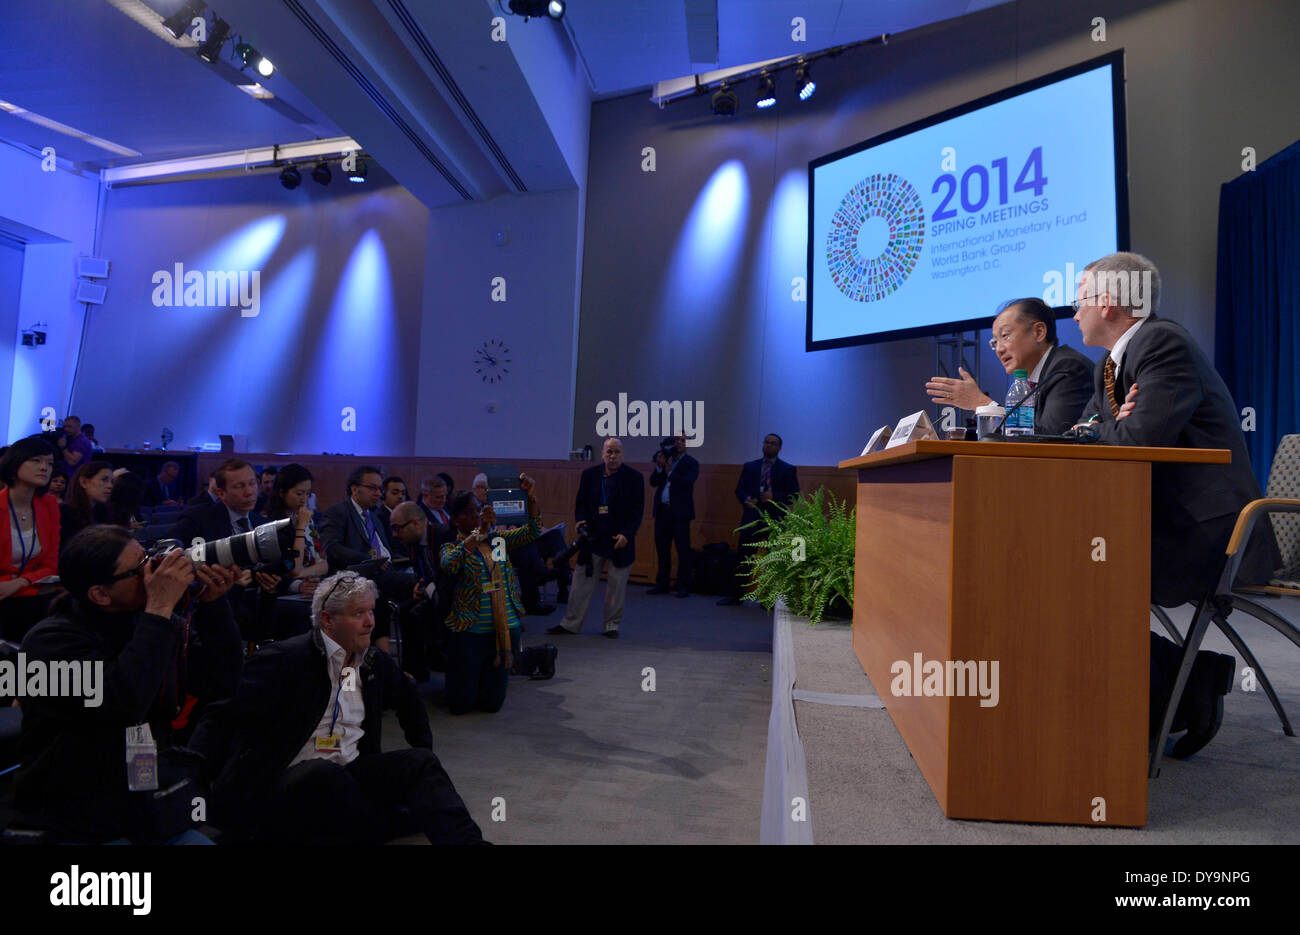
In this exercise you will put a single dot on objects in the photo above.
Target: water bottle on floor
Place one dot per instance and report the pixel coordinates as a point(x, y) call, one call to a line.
point(1021, 421)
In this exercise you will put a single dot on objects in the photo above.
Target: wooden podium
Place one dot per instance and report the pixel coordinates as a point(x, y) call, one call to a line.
point(1034, 556)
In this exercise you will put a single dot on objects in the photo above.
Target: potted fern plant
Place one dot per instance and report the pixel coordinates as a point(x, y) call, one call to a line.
point(806, 557)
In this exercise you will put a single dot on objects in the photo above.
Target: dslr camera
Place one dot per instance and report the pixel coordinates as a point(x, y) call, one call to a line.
point(266, 548)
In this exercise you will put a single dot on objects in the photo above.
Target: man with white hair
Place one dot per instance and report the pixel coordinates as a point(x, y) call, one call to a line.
point(304, 763)
point(1156, 388)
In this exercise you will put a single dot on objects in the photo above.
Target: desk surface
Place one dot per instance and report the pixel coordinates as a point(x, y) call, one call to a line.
point(927, 449)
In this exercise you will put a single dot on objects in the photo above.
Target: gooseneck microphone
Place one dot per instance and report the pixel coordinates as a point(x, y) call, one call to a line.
point(1027, 397)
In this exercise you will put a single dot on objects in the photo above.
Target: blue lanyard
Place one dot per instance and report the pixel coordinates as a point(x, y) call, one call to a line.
point(22, 543)
point(338, 708)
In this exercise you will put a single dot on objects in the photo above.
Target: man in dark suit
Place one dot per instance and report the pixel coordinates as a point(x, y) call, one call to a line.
point(236, 486)
point(422, 638)
point(608, 508)
point(1024, 338)
point(763, 482)
point(300, 743)
point(394, 492)
point(673, 480)
point(1156, 388)
point(207, 495)
point(165, 489)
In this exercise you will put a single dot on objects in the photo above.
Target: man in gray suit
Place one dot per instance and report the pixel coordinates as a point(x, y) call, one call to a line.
point(1156, 388)
point(1024, 338)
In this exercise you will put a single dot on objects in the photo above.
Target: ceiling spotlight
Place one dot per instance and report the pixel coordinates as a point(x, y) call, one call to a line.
point(178, 24)
point(251, 57)
point(537, 8)
point(804, 86)
point(290, 177)
point(766, 96)
point(321, 175)
point(359, 173)
point(210, 51)
point(724, 102)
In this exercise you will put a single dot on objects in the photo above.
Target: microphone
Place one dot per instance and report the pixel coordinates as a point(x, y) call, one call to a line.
point(1028, 396)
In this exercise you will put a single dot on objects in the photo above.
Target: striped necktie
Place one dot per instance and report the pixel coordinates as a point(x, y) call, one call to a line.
point(1108, 376)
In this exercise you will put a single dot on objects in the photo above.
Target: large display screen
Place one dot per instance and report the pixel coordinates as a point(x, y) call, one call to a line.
point(928, 228)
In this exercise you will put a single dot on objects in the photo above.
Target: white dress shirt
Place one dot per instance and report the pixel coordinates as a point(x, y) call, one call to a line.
point(351, 710)
point(1117, 352)
point(1036, 374)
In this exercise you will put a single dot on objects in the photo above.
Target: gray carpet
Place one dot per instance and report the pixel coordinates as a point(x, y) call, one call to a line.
point(590, 758)
point(864, 788)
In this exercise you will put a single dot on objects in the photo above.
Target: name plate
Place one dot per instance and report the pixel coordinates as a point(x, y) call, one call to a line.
point(878, 438)
point(912, 428)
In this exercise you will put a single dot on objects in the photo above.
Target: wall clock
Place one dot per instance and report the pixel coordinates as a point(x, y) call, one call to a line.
point(492, 361)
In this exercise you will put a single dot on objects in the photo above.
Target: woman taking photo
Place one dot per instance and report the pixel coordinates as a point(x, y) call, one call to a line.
point(289, 498)
point(486, 604)
point(86, 502)
point(29, 546)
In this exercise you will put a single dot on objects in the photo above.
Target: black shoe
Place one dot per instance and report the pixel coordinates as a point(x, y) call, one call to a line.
point(559, 630)
point(1202, 704)
point(540, 610)
point(729, 601)
point(546, 662)
point(611, 634)
point(657, 590)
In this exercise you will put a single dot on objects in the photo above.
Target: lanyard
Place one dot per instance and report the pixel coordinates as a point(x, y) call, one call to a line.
point(22, 543)
point(604, 491)
point(338, 708)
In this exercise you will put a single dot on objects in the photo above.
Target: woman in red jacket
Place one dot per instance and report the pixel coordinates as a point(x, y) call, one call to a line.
point(29, 543)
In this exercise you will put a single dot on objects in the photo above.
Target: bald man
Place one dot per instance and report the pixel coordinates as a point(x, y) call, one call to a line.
point(417, 614)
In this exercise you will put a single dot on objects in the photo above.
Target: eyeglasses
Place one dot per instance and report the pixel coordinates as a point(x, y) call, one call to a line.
point(349, 576)
point(370, 487)
point(1003, 339)
point(1077, 302)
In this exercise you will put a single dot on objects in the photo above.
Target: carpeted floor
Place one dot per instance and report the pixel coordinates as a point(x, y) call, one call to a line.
point(864, 788)
point(589, 757)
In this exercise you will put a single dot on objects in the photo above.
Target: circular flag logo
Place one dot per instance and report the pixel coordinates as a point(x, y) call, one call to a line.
point(875, 237)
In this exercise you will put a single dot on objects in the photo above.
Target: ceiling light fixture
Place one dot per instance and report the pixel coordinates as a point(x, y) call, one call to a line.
point(321, 175)
point(179, 23)
point(210, 51)
point(766, 95)
point(804, 86)
point(724, 102)
point(537, 8)
point(359, 173)
point(290, 177)
point(251, 57)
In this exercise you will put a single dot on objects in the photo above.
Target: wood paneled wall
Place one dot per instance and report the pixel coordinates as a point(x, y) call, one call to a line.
point(717, 512)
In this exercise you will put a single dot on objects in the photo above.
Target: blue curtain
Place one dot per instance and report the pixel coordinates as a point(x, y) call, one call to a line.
point(1257, 305)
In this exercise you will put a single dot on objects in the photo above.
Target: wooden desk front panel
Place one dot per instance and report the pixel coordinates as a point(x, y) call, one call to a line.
point(901, 587)
point(1069, 634)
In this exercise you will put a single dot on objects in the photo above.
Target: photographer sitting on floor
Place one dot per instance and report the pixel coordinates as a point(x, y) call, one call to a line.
point(150, 661)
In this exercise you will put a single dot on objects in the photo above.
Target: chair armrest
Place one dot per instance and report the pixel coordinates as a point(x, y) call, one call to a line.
point(1246, 520)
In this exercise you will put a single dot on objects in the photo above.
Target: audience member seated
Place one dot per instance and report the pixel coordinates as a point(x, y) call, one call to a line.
point(233, 513)
point(29, 548)
point(58, 484)
point(293, 485)
point(433, 501)
point(352, 532)
point(304, 763)
point(76, 447)
point(206, 495)
point(266, 487)
point(165, 489)
point(124, 501)
point(148, 663)
point(87, 500)
point(394, 492)
point(419, 612)
point(487, 605)
point(89, 431)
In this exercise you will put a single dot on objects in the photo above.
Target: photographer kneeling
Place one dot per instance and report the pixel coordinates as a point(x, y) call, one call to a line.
point(487, 605)
point(150, 659)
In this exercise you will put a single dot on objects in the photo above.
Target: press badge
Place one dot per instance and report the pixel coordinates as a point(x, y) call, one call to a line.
point(602, 509)
point(141, 759)
point(330, 744)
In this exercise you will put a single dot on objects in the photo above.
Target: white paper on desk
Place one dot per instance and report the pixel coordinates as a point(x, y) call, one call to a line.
point(912, 428)
point(878, 438)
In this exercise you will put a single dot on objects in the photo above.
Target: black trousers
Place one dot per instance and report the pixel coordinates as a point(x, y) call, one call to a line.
point(670, 532)
point(374, 798)
point(474, 680)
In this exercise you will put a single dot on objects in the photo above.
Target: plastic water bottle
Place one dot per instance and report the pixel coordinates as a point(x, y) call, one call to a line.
point(1021, 421)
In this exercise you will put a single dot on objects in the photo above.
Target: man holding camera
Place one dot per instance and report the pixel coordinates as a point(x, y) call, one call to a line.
point(674, 482)
point(608, 511)
point(159, 658)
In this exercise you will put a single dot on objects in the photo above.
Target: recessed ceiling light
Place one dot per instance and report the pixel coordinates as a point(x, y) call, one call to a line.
point(257, 91)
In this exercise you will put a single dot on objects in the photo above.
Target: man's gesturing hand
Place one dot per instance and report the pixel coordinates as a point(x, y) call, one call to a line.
point(964, 393)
